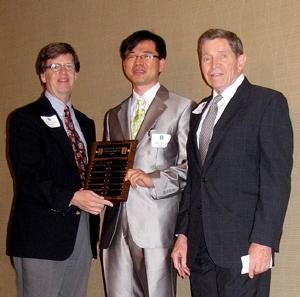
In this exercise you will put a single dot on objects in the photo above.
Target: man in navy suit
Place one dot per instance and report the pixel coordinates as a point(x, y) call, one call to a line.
point(239, 151)
point(55, 223)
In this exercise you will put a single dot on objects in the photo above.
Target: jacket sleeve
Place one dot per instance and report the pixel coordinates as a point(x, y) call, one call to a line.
point(34, 165)
point(276, 150)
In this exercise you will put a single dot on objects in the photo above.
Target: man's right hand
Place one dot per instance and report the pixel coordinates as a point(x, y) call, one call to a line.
point(90, 202)
point(179, 256)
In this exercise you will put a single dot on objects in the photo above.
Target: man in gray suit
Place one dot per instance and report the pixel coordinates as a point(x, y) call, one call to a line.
point(137, 236)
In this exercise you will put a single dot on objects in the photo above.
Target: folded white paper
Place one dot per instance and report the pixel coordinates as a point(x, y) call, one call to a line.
point(245, 264)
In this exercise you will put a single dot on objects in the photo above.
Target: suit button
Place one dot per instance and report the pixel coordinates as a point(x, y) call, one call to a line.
point(204, 180)
point(77, 212)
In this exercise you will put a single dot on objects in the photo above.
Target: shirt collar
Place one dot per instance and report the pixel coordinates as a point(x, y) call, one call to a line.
point(148, 96)
point(227, 94)
point(57, 104)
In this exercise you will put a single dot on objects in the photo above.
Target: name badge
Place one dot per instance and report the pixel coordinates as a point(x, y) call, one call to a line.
point(199, 109)
point(160, 140)
point(51, 121)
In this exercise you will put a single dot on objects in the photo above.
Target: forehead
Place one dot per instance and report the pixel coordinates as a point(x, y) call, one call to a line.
point(215, 45)
point(145, 46)
point(64, 58)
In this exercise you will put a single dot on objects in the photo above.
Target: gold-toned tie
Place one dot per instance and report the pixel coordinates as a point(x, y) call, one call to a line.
point(208, 127)
point(138, 117)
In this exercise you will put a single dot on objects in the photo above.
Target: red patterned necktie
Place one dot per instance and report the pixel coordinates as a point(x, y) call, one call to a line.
point(77, 144)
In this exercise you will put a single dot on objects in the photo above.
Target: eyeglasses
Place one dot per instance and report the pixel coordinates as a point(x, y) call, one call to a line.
point(147, 57)
point(55, 67)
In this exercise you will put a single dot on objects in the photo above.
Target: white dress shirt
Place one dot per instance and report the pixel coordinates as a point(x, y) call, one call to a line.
point(148, 96)
point(59, 107)
point(227, 95)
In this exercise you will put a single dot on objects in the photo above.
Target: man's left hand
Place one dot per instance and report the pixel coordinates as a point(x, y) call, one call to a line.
point(260, 259)
point(138, 177)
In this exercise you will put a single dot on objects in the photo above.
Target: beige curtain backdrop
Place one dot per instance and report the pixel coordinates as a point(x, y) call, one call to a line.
point(270, 30)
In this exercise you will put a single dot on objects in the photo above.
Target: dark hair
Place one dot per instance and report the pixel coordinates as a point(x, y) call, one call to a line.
point(132, 41)
point(233, 40)
point(52, 51)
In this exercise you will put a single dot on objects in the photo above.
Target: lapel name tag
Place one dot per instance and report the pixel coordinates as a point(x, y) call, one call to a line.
point(51, 121)
point(160, 140)
point(200, 108)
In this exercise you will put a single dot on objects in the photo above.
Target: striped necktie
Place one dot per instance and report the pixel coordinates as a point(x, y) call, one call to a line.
point(208, 127)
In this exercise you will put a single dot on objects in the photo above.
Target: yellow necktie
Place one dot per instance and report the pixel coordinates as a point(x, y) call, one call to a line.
point(138, 117)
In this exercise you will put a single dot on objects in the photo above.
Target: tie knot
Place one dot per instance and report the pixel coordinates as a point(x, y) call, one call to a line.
point(217, 99)
point(67, 110)
point(140, 102)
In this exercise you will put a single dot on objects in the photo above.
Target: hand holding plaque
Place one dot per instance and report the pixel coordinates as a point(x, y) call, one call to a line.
point(107, 168)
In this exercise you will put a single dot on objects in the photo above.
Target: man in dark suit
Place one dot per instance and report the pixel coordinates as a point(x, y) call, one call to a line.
point(240, 159)
point(55, 224)
point(137, 236)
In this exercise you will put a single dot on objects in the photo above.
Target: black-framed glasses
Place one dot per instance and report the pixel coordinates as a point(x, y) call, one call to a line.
point(146, 57)
point(56, 67)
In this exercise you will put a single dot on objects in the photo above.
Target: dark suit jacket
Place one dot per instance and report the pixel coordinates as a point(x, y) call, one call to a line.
point(43, 225)
point(241, 192)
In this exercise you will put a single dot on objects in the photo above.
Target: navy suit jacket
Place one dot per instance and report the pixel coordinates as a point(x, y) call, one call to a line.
point(240, 194)
point(43, 225)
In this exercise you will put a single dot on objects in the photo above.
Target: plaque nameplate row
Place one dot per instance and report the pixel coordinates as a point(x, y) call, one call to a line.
point(107, 168)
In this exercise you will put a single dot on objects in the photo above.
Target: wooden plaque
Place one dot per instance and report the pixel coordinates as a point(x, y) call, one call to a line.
point(107, 168)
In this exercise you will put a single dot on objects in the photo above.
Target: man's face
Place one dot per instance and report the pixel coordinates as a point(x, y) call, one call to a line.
point(60, 83)
point(143, 73)
point(220, 66)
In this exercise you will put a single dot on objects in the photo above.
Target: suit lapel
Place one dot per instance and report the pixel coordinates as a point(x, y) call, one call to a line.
point(85, 129)
point(59, 134)
point(156, 108)
point(123, 120)
point(154, 111)
point(195, 121)
point(231, 111)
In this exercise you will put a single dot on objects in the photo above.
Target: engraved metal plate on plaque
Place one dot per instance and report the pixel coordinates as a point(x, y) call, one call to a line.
point(107, 168)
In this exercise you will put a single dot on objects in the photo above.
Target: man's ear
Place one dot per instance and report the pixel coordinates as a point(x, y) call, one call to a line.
point(241, 62)
point(162, 65)
point(43, 77)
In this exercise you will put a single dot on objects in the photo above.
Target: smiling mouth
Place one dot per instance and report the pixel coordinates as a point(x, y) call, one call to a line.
point(63, 80)
point(216, 74)
point(139, 72)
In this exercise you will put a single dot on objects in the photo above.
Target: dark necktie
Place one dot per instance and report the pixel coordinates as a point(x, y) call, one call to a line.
point(208, 127)
point(77, 144)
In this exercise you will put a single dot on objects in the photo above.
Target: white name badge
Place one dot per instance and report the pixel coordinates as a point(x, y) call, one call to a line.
point(51, 121)
point(199, 109)
point(160, 140)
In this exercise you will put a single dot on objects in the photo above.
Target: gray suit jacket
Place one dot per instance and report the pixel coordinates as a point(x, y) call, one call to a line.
point(152, 212)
